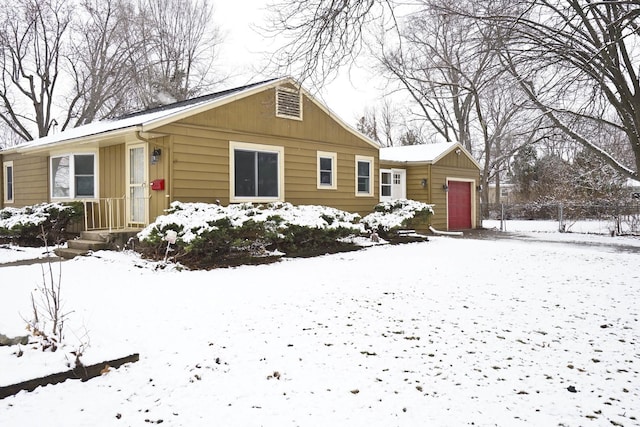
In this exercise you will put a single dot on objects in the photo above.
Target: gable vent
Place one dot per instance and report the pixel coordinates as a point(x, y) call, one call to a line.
point(288, 103)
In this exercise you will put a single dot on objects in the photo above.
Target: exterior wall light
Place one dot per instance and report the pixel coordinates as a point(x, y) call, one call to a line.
point(155, 155)
point(479, 187)
point(445, 188)
point(423, 183)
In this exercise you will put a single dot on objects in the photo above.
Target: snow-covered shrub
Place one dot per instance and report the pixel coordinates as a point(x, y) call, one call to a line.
point(211, 233)
point(392, 215)
point(24, 226)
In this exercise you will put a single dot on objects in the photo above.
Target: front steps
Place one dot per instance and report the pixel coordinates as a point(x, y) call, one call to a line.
point(96, 240)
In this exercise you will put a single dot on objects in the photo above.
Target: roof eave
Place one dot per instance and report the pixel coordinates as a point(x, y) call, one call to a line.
point(80, 140)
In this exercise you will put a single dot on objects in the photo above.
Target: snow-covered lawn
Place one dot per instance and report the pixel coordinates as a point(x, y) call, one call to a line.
point(446, 332)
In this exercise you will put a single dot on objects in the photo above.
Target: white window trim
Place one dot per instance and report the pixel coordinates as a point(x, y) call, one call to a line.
point(72, 189)
point(370, 160)
point(334, 167)
point(234, 145)
point(5, 190)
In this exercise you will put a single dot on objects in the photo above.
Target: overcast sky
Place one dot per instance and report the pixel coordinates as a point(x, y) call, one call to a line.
point(243, 53)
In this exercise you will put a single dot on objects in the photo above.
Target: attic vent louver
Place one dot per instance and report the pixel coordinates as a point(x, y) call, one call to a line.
point(288, 103)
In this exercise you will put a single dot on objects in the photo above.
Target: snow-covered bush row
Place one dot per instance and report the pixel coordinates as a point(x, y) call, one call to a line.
point(35, 215)
point(395, 214)
point(24, 225)
point(191, 220)
point(207, 235)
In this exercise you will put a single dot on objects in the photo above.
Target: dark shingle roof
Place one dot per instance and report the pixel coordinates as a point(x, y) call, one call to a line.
point(196, 100)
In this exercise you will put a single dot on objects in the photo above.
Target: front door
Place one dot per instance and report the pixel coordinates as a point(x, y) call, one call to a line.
point(137, 185)
point(398, 190)
point(459, 205)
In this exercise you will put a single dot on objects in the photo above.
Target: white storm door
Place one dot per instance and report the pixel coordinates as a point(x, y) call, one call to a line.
point(386, 184)
point(137, 185)
point(398, 184)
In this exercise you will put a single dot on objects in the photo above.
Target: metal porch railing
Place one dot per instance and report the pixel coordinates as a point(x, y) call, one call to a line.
point(106, 213)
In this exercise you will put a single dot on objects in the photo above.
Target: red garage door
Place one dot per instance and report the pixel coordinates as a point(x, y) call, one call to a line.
point(459, 205)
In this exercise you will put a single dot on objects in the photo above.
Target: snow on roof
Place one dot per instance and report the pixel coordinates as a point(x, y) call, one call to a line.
point(139, 118)
point(416, 153)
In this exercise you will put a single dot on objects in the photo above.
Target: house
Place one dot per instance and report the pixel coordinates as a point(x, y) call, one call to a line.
point(442, 174)
point(507, 193)
point(263, 142)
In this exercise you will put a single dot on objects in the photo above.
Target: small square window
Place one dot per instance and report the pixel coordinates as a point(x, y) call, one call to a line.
point(327, 170)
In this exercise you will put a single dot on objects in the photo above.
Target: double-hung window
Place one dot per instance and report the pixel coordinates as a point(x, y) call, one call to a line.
point(385, 184)
point(327, 170)
point(73, 176)
point(7, 172)
point(364, 174)
point(256, 172)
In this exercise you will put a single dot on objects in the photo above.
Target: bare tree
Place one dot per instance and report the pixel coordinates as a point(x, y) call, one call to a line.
point(576, 60)
point(444, 62)
point(368, 124)
point(449, 65)
point(101, 61)
point(32, 37)
point(181, 47)
point(321, 36)
point(8, 138)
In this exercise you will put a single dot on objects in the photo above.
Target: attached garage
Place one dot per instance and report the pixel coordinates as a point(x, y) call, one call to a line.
point(443, 174)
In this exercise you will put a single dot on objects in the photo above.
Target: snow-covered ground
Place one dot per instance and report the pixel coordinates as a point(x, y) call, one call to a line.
point(583, 226)
point(453, 331)
point(10, 253)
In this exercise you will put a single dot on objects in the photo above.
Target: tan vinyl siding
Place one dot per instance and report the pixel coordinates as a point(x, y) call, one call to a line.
point(30, 183)
point(256, 115)
point(112, 171)
point(200, 153)
point(204, 177)
point(200, 168)
point(159, 200)
point(457, 161)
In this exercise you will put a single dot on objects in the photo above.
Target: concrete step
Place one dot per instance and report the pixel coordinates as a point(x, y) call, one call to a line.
point(86, 245)
point(69, 253)
point(97, 235)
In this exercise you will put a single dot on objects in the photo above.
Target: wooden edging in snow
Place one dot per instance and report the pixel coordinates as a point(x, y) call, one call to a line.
point(83, 373)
